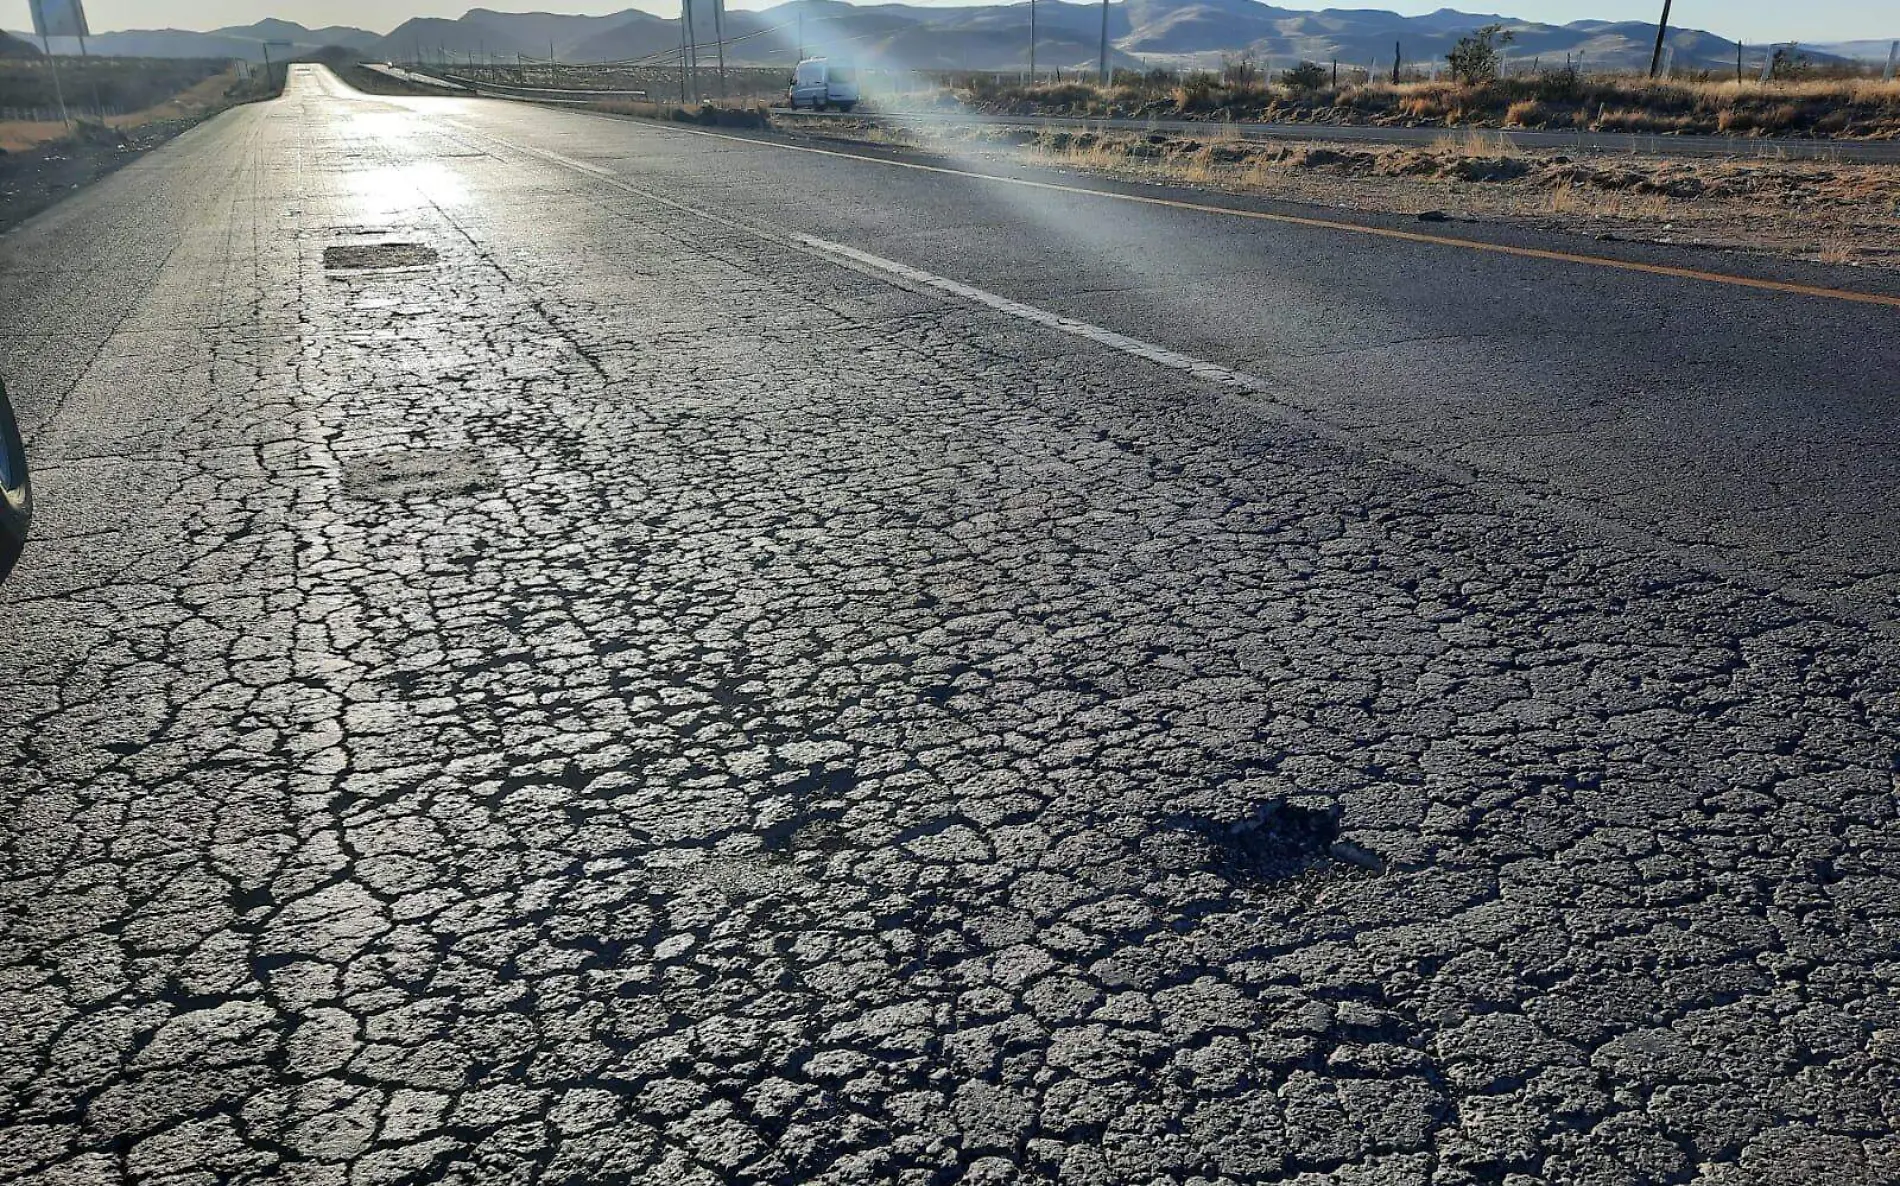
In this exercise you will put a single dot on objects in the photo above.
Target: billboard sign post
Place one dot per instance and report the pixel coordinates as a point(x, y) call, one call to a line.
point(59, 18)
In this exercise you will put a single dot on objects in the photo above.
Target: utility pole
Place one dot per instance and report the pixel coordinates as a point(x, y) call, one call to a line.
point(682, 53)
point(1398, 60)
point(1738, 63)
point(719, 35)
point(801, 30)
point(1104, 67)
point(1032, 42)
point(692, 50)
point(1662, 35)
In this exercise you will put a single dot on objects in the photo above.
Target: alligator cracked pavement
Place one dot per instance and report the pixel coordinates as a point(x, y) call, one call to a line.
point(592, 693)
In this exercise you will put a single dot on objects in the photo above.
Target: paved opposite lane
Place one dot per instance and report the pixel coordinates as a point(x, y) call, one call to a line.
point(619, 690)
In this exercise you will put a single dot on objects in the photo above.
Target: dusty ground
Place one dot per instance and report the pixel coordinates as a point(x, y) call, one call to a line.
point(1835, 213)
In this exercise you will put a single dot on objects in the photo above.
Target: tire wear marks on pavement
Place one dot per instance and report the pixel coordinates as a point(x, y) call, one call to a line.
point(833, 745)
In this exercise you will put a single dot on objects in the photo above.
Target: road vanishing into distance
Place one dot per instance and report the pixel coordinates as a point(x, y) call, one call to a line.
point(570, 650)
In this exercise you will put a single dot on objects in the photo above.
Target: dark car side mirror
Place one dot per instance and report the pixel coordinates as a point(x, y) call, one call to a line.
point(16, 491)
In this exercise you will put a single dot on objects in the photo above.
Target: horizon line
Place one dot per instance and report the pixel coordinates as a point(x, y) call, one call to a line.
point(943, 4)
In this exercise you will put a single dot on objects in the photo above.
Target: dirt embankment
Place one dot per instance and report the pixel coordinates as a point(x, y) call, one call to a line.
point(1832, 213)
point(42, 162)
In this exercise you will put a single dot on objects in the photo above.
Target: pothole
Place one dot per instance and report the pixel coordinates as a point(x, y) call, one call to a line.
point(378, 257)
point(822, 833)
point(1277, 841)
point(410, 473)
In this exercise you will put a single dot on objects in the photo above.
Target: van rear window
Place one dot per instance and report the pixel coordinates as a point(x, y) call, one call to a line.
point(842, 74)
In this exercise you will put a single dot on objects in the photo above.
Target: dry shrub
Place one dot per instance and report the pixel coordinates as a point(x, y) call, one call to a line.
point(1199, 92)
point(1527, 113)
point(1641, 119)
point(1836, 252)
point(1263, 172)
point(1201, 168)
point(1474, 142)
point(1554, 99)
point(1424, 107)
point(1065, 94)
point(1565, 199)
point(1779, 118)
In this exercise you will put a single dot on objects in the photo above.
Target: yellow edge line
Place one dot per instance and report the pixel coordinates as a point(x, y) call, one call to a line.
point(1327, 224)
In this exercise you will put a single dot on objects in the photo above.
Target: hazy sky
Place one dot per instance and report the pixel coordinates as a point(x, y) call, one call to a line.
point(1755, 20)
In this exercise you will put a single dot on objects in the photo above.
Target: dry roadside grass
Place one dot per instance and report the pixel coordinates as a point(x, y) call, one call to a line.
point(19, 135)
point(1854, 108)
point(1831, 213)
point(206, 96)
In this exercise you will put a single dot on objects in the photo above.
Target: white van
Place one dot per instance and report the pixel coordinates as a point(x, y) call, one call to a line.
point(819, 84)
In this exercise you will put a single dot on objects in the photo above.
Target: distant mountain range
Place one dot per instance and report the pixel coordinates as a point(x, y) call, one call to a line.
point(993, 37)
point(14, 47)
point(238, 41)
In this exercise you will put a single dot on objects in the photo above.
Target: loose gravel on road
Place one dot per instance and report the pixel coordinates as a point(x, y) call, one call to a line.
point(613, 698)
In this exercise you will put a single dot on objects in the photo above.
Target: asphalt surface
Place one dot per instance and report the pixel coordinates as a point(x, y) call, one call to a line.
point(1781, 148)
point(716, 662)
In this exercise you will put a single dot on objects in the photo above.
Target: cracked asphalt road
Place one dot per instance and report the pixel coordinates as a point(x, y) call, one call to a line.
point(612, 694)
